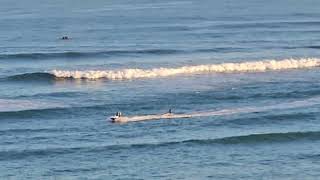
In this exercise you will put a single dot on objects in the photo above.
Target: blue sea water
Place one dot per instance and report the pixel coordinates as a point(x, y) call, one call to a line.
point(56, 95)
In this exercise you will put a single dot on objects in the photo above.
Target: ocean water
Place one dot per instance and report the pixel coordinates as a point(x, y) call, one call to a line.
point(241, 77)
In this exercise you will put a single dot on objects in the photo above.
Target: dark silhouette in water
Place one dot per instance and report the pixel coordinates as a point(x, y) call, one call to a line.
point(119, 114)
point(65, 38)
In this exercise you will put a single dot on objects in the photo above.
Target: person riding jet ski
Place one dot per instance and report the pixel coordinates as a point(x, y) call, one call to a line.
point(116, 116)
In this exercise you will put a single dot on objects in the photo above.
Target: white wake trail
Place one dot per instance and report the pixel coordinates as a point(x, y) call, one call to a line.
point(252, 66)
point(225, 112)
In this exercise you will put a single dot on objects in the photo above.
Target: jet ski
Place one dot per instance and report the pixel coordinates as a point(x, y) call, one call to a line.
point(116, 117)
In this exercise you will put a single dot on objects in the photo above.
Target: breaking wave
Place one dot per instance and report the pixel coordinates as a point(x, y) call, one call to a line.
point(255, 66)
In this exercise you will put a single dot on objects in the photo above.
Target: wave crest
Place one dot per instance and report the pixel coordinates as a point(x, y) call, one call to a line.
point(252, 139)
point(255, 66)
point(39, 76)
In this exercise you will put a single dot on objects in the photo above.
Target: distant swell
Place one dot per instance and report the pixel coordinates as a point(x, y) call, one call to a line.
point(43, 55)
point(313, 47)
point(74, 54)
point(270, 137)
point(242, 139)
point(114, 52)
point(255, 66)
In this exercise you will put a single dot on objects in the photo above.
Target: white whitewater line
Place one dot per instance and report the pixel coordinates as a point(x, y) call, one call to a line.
point(224, 112)
point(254, 66)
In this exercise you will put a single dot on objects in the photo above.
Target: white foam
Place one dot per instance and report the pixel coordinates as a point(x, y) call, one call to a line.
point(252, 66)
